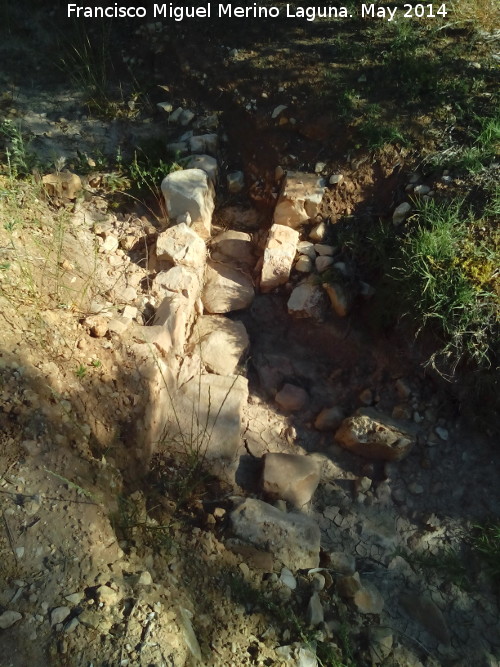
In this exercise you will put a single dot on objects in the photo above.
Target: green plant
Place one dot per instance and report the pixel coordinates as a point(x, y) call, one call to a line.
point(485, 541)
point(81, 371)
point(96, 363)
point(446, 562)
point(447, 279)
point(20, 161)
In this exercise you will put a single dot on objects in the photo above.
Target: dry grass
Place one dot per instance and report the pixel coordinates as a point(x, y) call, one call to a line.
point(484, 14)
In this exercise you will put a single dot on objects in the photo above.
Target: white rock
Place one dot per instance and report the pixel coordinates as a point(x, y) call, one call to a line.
point(235, 181)
point(319, 167)
point(401, 213)
point(175, 115)
point(442, 433)
point(291, 477)
point(315, 613)
point(300, 199)
point(204, 143)
point(205, 162)
point(165, 106)
point(277, 110)
point(304, 264)
point(110, 243)
point(324, 250)
point(226, 289)
point(421, 189)
point(220, 342)
point(58, 615)
point(190, 191)
point(287, 578)
point(336, 179)
point(186, 117)
point(8, 618)
point(233, 247)
point(181, 245)
point(294, 538)
point(278, 258)
point(180, 288)
point(306, 300)
point(306, 248)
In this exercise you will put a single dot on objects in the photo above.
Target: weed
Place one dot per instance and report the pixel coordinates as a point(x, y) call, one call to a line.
point(448, 279)
point(20, 161)
point(96, 363)
point(81, 371)
point(446, 562)
point(485, 541)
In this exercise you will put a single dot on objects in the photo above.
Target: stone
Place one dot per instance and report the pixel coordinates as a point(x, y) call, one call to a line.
point(190, 191)
point(58, 615)
point(130, 312)
point(323, 262)
point(185, 617)
point(110, 243)
point(304, 264)
point(287, 578)
point(180, 288)
point(349, 585)
point(233, 247)
point(318, 232)
point(329, 419)
point(375, 436)
point(306, 248)
point(401, 213)
point(307, 300)
point(336, 179)
point(278, 110)
point(291, 398)
point(119, 325)
point(204, 143)
point(324, 250)
point(319, 167)
point(293, 538)
point(380, 643)
point(177, 148)
point(74, 598)
point(421, 189)
point(423, 610)
point(292, 477)
point(255, 558)
point(341, 563)
point(97, 325)
point(8, 618)
point(226, 289)
point(221, 343)
point(205, 412)
point(62, 184)
point(144, 579)
point(338, 298)
point(165, 106)
point(206, 163)
point(442, 433)
point(186, 117)
point(279, 254)
point(315, 614)
point(235, 181)
point(181, 245)
point(368, 600)
point(156, 336)
point(300, 199)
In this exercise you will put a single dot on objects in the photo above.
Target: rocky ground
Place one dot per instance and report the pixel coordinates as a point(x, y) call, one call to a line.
point(154, 514)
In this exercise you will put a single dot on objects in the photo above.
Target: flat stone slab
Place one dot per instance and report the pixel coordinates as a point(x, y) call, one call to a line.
point(181, 245)
point(293, 538)
point(226, 289)
point(220, 342)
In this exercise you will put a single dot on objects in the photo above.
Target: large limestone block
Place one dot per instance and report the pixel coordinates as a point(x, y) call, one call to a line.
point(293, 538)
point(201, 417)
point(190, 191)
point(226, 289)
point(234, 247)
point(220, 342)
point(291, 477)
point(181, 245)
point(307, 300)
point(375, 436)
point(63, 184)
point(180, 288)
point(300, 199)
point(278, 257)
